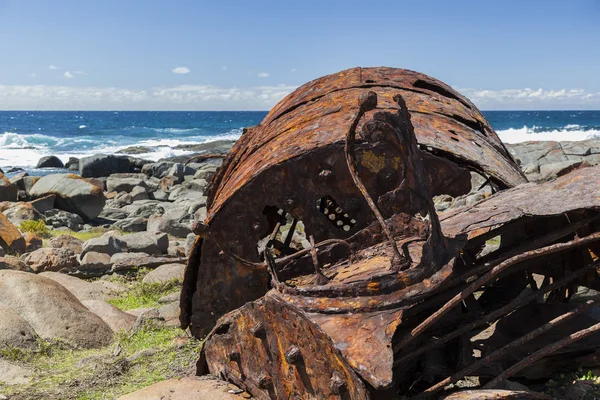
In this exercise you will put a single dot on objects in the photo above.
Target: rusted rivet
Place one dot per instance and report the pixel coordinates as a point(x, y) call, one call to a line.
point(259, 331)
point(367, 101)
point(337, 383)
point(234, 356)
point(292, 355)
point(264, 381)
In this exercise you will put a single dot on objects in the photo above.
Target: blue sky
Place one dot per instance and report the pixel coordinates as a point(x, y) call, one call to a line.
point(246, 55)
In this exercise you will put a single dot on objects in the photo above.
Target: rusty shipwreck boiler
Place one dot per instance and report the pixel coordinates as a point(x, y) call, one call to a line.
point(322, 270)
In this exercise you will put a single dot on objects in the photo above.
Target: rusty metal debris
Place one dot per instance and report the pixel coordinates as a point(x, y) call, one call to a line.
point(323, 270)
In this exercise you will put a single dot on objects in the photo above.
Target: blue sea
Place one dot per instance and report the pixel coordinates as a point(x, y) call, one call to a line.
point(25, 136)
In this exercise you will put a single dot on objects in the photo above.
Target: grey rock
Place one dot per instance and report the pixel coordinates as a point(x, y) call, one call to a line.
point(51, 310)
point(170, 313)
point(49, 259)
point(197, 185)
point(129, 261)
point(179, 170)
point(73, 194)
point(72, 164)
point(67, 242)
point(44, 204)
point(116, 319)
point(160, 195)
point(59, 218)
point(113, 213)
point(14, 330)
point(170, 298)
point(17, 180)
point(28, 182)
point(175, 227)
point(135, 224)
point(21, 212)
point(116, 183)
point(189, 243)
point(8, 191)
point(50, 162)
point(165, 273)
point(14, 263)
point(94, 264)
point(106, 244)
point(103, 165)
point(158, 169)
point(147, 242)
point(139, 193)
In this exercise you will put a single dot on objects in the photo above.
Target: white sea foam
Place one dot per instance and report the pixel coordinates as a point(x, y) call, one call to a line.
point(25, 150)
point(82, 126)
point(567, 133)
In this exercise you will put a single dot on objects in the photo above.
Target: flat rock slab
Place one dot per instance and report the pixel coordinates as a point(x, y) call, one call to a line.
point(12, 374)
point(165, 273)
point(190, 388)
point(115, 318)
point(84, 290)
point(51, 310)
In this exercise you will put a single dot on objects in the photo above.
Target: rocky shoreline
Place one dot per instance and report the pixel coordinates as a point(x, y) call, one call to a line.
point(138, 214)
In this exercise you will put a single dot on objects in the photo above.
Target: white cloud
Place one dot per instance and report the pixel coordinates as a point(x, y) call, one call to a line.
point(293, 70)
point(263, 74)
point(69, 75)
point(224, 68)
point(33, 75)
point(52, 66)
point(183, 97)
point(181, 70)
point(529, 98)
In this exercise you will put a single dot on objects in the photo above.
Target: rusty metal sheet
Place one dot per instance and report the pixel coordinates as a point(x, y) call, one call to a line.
point(274, 352)
point(319, 114)
point(365, 340)
point(578, 190)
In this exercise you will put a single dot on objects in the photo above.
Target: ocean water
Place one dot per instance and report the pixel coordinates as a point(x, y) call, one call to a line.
point(25, 136)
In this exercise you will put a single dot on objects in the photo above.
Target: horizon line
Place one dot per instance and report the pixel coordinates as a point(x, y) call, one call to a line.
point(162, 110)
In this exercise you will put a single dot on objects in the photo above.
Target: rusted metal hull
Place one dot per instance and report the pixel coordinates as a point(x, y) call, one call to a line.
point(377, 295)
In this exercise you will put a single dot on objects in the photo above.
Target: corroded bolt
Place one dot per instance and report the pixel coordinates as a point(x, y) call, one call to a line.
point(292, 355)
point(234, 356)
point(264, 381)
point(259, 331)
point(367, 101)
point(337, 383)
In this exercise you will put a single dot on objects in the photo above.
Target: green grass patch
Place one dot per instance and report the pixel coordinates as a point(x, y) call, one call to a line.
point(37, 227)
point(81, 235)
point(140, 294)
point(62, 372)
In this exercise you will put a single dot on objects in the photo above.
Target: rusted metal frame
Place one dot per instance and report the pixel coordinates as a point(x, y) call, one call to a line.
point(572, 338)
point(527, 246)
point(505, 349)
point(321, 279)
point(550, 237)
point(436, 227)
point(366, 103)
point(518, 302)
point(494, 272)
